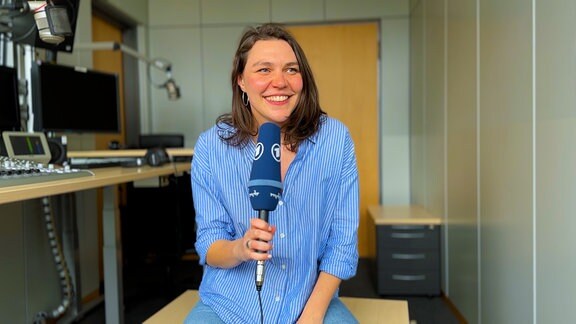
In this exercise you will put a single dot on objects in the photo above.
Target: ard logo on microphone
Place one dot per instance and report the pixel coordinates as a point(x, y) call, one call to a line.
point(259, 151)
point(274, 151)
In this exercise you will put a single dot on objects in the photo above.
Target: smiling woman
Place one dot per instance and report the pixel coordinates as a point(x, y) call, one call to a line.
point(318, 210)
point(272, 81)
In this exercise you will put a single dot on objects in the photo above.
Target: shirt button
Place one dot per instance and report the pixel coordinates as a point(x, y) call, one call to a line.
point(277, 298)
point(282, 235)
point(283, 267)
point(280, 203)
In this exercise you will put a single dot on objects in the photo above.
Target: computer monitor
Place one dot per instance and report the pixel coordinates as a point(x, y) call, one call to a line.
point(27, 146)
point(9, 105)
point(74, 99)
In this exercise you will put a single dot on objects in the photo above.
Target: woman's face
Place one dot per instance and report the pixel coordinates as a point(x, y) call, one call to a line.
point(272, 81)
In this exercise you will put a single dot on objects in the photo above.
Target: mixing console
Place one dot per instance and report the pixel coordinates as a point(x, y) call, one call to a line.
point(15, 172)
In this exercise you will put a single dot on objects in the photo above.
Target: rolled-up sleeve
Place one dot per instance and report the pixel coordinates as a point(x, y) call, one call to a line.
point(341, 255)
point(213, 223)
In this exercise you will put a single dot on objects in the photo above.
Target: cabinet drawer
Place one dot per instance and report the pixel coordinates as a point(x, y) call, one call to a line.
point(409, 282)
point(408, 236)
point(402, 258)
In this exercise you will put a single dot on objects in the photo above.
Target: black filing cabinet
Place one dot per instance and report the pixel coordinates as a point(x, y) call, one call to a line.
point(408, 259)
point(407, 250)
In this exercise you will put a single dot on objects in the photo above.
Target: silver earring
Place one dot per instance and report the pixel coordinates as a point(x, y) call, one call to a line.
point(245, 99)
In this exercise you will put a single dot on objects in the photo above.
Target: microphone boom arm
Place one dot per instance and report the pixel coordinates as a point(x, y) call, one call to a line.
point(160, 64)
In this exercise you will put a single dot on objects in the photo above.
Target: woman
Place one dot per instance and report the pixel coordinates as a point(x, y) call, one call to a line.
point(310, 242)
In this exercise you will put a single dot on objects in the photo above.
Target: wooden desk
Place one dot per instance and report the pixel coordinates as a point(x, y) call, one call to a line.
point(401, 215)
point(102, 177)
point(366, 310)
point(106, 178)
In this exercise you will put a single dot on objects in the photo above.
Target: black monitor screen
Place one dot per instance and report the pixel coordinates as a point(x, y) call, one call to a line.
point(9, 108)
point(73, 99)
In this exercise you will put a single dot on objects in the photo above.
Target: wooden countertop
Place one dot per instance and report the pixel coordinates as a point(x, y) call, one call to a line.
point(402, 214)
point(102, 177)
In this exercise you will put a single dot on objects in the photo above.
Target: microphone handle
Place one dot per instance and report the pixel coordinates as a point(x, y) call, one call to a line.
point(262, 214)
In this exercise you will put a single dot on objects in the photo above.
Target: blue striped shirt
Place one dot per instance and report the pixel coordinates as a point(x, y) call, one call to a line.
point(316, 220)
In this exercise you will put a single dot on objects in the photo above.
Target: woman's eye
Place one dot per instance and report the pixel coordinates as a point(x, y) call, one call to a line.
point(264, 70)
point(292, 70)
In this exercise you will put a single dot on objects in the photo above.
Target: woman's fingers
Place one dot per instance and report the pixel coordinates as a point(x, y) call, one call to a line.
point(259, 224)
point(257, 240)
point(257, 250)
point(261, 230)
point(260, 246)
point(256, 234)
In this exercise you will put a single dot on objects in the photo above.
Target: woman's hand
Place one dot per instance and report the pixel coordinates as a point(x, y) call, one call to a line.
point(228, 254)
point(256, 241)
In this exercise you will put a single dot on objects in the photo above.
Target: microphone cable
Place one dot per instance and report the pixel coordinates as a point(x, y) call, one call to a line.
point(259, 282)
point(262, 214)
point(260, 302)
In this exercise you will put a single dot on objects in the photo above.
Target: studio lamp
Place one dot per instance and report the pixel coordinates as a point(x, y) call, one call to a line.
point(161, 64)
point(48, 24)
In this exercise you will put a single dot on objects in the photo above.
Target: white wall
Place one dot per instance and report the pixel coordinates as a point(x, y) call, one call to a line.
point(461, 149)
point(495, 120)
point(133, 10)
point(506, 162)
point(200, 38)
point(555, 161)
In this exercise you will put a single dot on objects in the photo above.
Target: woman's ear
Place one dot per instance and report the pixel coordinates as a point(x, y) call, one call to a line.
point(241, 83)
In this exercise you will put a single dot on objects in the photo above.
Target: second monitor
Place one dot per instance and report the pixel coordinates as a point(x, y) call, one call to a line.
point(74, 99)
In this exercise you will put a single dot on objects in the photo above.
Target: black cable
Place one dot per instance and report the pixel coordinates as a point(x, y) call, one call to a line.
point(262, 214)
point(73, 11)
point(30, 31)
point(261, 310)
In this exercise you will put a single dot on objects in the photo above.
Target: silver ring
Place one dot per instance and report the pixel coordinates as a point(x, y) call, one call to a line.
point(248, 244)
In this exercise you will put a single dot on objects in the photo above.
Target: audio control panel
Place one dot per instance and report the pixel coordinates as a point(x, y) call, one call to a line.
point(15, 171)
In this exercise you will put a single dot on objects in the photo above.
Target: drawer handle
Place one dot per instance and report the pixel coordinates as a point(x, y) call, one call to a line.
point(409, 278)
point(405, 256)
point(408, 227)
point(407, 235)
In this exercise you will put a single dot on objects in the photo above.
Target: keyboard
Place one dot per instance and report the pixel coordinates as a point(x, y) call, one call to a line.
point(92, 162)
point(14, 172)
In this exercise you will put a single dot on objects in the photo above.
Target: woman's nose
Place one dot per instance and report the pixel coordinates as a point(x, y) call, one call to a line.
point(279, 80)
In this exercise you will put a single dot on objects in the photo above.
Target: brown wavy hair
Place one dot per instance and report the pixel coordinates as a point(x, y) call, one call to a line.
point(302, 123)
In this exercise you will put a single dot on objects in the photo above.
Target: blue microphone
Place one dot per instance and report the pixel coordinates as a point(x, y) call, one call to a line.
point(265, 185)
